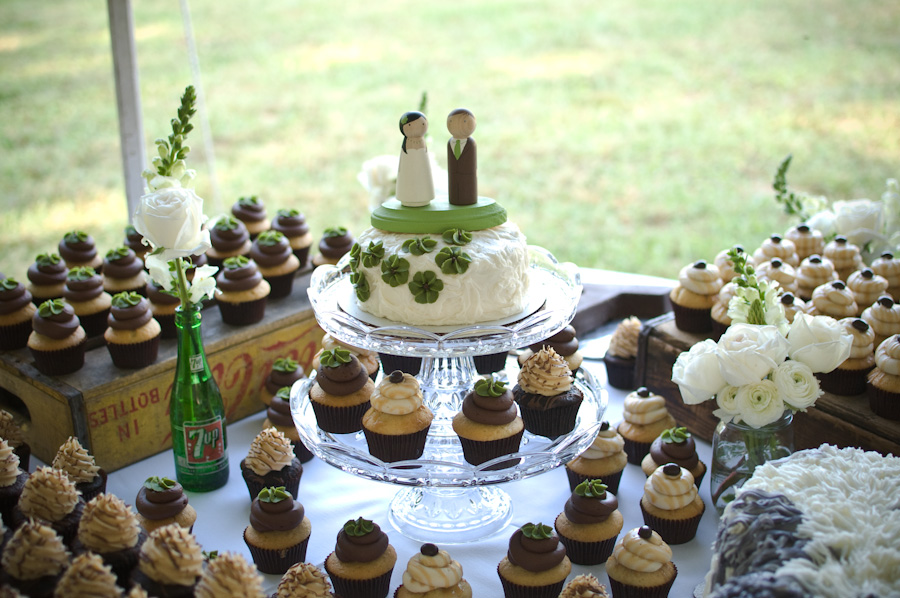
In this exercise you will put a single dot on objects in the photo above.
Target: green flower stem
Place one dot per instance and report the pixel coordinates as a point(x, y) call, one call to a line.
point(181, 282)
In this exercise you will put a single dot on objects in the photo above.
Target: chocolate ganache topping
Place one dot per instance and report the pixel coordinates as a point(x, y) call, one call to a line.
point(490, 403)
point(82, 284)
point(335, 242)
point(675, 445)
point(360, 541)
point(284, 372)
point(238, 274)
point(340, 372)
point(275, 510)
point(156, 294)
point(279, 410)
point(249, 209)
point(590, 503)
point(535, 547)
point(56, 319)
point(13, 296)
point(129, 311)
point(135, 240)
point(47, 269)
point(78, 247)
point(290, 223)
point(228, 234)
point(271, 248)
point(122, 262)
point(160, 498)
point(563, 342)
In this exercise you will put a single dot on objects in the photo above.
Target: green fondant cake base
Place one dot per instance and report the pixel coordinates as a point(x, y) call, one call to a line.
point(438, 216)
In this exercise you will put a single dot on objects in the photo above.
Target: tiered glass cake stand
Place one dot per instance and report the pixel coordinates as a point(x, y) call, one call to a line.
point(443, 498)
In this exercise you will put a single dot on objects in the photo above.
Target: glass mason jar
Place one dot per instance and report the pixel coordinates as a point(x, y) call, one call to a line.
point(196, 411)
point(738, 449)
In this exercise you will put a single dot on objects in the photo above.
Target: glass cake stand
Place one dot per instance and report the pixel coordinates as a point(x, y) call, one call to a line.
point(443, 498)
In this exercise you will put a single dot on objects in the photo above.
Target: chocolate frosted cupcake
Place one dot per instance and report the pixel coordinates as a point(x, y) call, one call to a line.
point(123, 271)
point(252, 212)
point(292, 224)
point(84, 292)
point(335, 242)
point(285, 371)
point(16, 312)
point(50, 496)
point(547, 398)
point(12, 481)
point(88, 575)
point(564, 343)
point(229, 575)
point(641, 566)
point(111, 530)
point(171, 562)
point(671, 504)
point(362, 561)
point(57, 342)
point(34, 559)
point(161, 502)
point(488, 424)
point(536, 565)
point(396, 425)
point(46, 278)
point(11, 431)
point(605, 458)
point(133, 335)
point(276, 261)
point(162, 307)
point(78, 250)
point(241, 292)
point(645, 417)
point(278, 416)
point(270, 462)
point(849, 377)
point(229, 238)
point(694, 295)
point(135, 242)
point(279, 531)
point(432, 572)
point(368, 359)
point(341, 394)
point(79, 465)
point(675, 445)
point(589, 523)
point(621, 356)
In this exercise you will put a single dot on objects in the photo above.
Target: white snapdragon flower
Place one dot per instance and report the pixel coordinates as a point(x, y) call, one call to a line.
point(159, 271)
point(203, 284)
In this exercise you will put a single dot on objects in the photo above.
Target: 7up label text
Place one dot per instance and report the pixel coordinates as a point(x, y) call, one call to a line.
point(204, 441)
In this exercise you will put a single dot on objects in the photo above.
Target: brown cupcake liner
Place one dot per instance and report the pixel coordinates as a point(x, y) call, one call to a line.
point(407, 365)
point(167, 325)
point(477, 452)
point(243, 314)
point(160, 590)
point(301, 452)
point(134, 355)
point(514, 590)
point(718, 329)
point(621, 590)
point(636, 451)
point(689, 319)
point(95, 324)
point(611, 480)
point(302, 255)
point(122, 562)
point(620, 372)
point(9, 498)
point(42, 587)
point(60, 362)
point(67, 527)
point(281, 286)
point(15, 336)
point(340, 420)
point(673, 531)
point(375, 587)
point(588, 553)
point(550, 423)
point(488, 364)
point(401, 447)
point(277, 561)
point(96, 486)
point(289, 477)
point(846, 383)
point(883, 403)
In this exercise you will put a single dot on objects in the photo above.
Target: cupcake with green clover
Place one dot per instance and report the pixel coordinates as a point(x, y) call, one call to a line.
point(132, 337)
point(335, 243)
point(46, 278)
point(536, 565)
point(135, 241)
point(278, 416)
point(488, 424)
point(228, 237)
point(368, 359)
point(279, 531)
point(241, 292)
point(605, 458)
point(84, 292)
point(78, 250)
point(362, 562)
point(675, 445)
point(589, 523)
point(161, 502)
point(163, 304)
point(57, 342)
point(276, 262)
point(123, 271)
point(16, 312)
point(546, 395)
point(270, 461)
point(396, 425)
point(341, 393)
point(292, 224)
point(252, 212)
point(285, 371)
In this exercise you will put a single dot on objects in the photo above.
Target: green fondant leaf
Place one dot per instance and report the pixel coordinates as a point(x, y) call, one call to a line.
point(273, 494)
point(335, 231)
point(159, 484)
point(81, 273)
point(47, 259)
point(675, 435)
point(52, 307)
point(270, 238)
point(591, 488)
point(457, 236)
point(490, 387)
point(292, 213)
point(284, 393)
point(395, 270)
point(371, 257)
point(76, 236)
point(253, 200)
point(419, 246)
point(426, 287)
point(332, 358)
point(8, 284)
point(355, 252)
point(285, 364)
point(117, 253)
point(227, 223)
point(361, 285)
point(125, 300)
point(451, 260)
point(537, 531)
point(358, 527)
point(236, 262)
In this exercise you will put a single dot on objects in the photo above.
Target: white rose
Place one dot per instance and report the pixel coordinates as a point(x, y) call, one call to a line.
point(860, 220)
point(725, 399)
point(696, 372)
point(203, 284)
point(819, 341)
point(823, 222)
point(759, 404)
point(172, 219)
point(747, 353)
point(797, 385)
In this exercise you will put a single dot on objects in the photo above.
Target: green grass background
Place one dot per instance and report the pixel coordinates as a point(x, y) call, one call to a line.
point(634, 136)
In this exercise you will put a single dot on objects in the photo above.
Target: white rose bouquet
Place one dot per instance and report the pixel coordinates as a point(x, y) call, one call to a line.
point(170, 215)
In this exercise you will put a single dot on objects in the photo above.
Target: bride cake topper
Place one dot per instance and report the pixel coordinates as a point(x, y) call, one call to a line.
point(415, 185)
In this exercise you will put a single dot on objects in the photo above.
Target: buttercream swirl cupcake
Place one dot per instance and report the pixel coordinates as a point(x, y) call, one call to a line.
point(132, 336)
point(547, 398)
point(694, 295)
point(341, 393)
point(88, 575)
point(641, 566)
point(79, 465)
point(564, 342)
point(488, 424)
point(34, 559)
point(285, 371)
point(161, 502)
point(844, 255)
point(16, 313)
point(671, 504)
point(778, 271)
point(303, 580)
point(276, 261)
point(135, 241)
point(270, 461)
point(397, 423)
point(336, 241)
point(813, 272)
point(110, 529)
point(832, 299)
point(675, 445)
point(621, 355)
point(866, 287)
point(57, 341)
point(719, 313)
point(279, 531)
point(292, 224)
point(645, 417)
point(50, 496)
point(884, 318)
point(162, 306)
point(368, 359)
point(589, 523)
point(84, 292)
point(12, 432)
point(888, 266)
point(78, 250)
point(432, 572)
point(278, 416)
point(725, 265)
point(362, 561)
point(46, 278)
point(604, 459)
point(241, 292)
point(228, 237)
point(792, 305)
point(535, 565)
point(12, 481)
point(171, 562)
point(883, 385)
point(229, 575)
point(252, 212)
point(584, 586)
point(849, 378)
point(807, 241)
point(776, 246)
point(123, 271)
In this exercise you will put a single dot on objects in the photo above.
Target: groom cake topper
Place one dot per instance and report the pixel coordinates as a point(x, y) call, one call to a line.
point(462, 158)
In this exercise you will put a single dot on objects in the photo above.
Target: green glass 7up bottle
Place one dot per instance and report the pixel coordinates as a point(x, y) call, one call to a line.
point(196, 411)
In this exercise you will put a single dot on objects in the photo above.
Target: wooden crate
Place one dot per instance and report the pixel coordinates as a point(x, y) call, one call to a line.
point(122, 416)
point(842, 421)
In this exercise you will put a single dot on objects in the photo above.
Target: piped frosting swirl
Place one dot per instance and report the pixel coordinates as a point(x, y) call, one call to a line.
point(397, 398)
point(545, 373)
point(669, 488)
point(624, 340)
point(171, 556)
point(640, 554)
point(48, 494)
point(270, 451)
point(643, 407)
point(700, 278)
point(108, 525)
point(88, 575)
point(427, 572)
point(229, 575)
point(9, 465)
point(74, 459)
point(304, 580)
point(34, 551)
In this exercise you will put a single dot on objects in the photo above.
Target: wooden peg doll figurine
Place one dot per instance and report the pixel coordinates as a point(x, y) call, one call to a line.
point(462, 160)
point(415, 187)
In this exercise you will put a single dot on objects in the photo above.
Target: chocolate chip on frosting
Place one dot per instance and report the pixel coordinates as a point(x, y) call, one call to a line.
point(700, 265)
point(860, 325)
point(396, 377)
point(886, 301)
point(645, 532)
point(643, 392)
point(429, 549)
point(671, 469)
